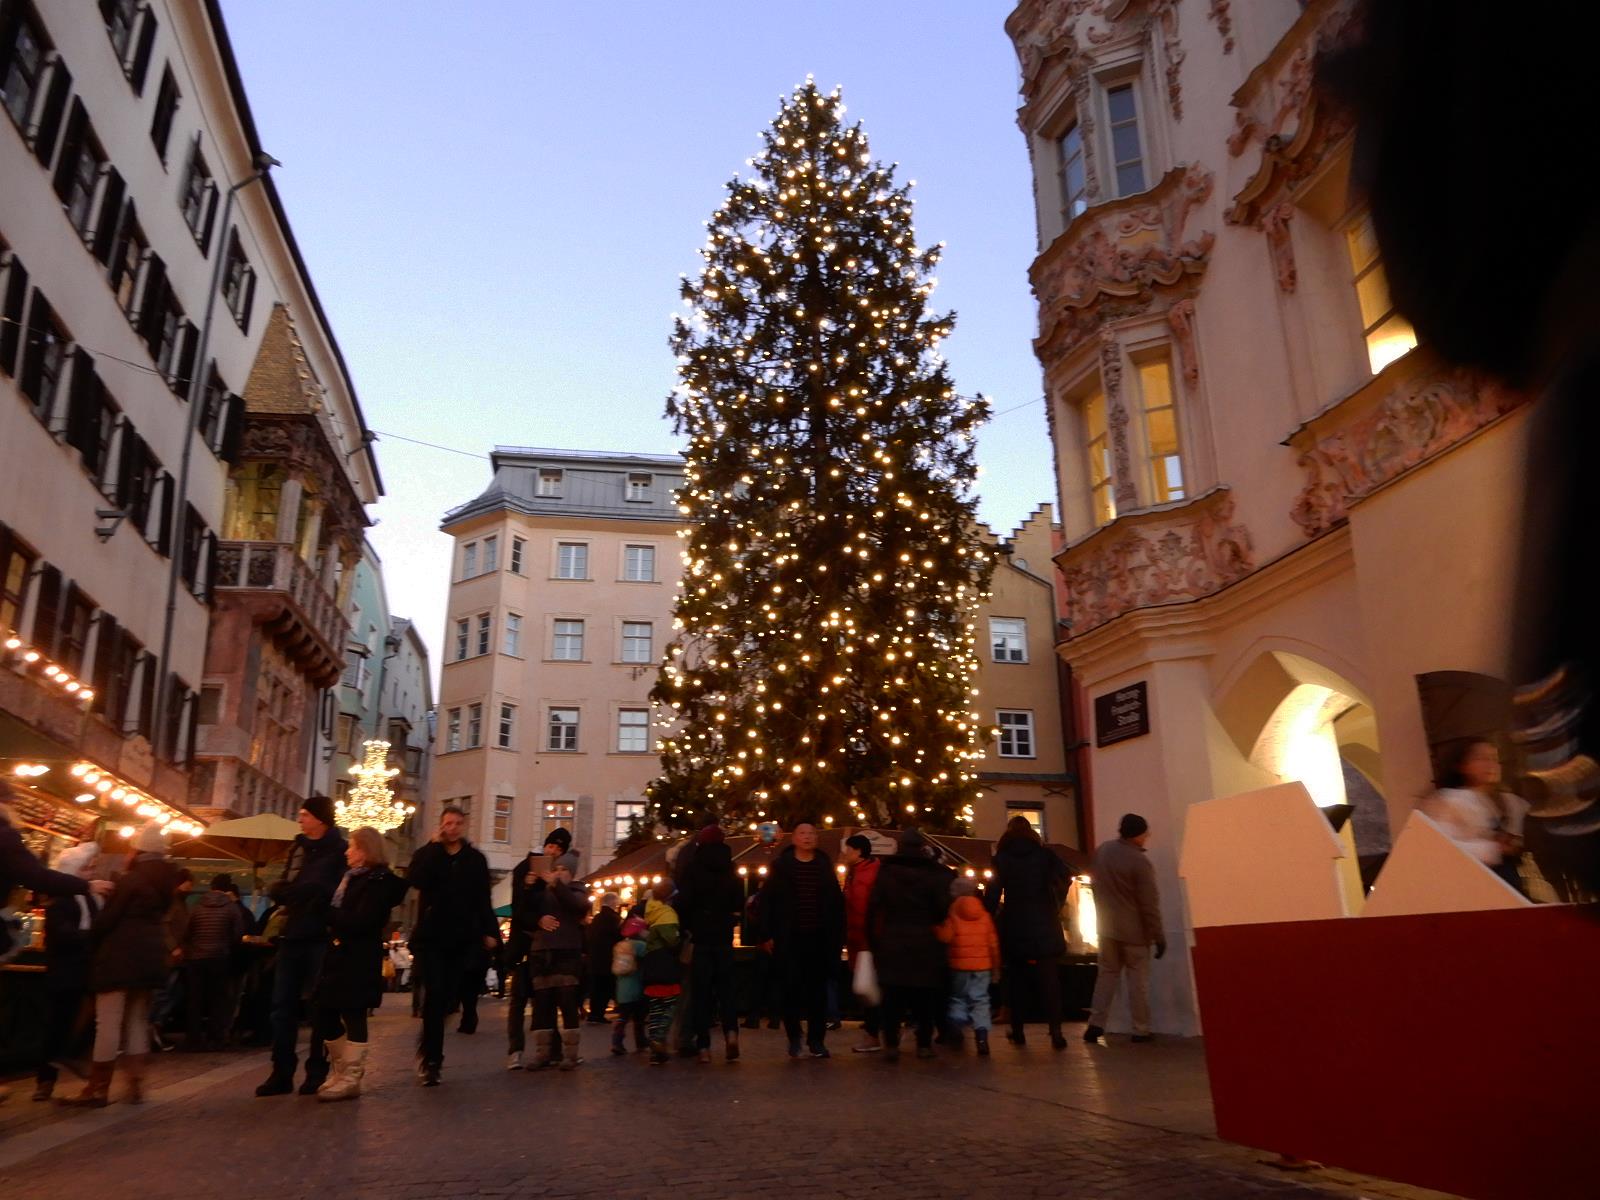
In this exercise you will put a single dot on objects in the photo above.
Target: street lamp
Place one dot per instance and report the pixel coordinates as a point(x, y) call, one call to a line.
point(263, 163)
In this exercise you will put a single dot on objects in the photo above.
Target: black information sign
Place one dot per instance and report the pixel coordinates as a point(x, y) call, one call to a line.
point(1122, 714)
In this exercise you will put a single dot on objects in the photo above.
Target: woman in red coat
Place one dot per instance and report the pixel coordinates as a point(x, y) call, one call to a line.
point(861, 873)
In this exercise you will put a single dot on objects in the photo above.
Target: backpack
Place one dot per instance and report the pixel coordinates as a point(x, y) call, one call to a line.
point(623, 958)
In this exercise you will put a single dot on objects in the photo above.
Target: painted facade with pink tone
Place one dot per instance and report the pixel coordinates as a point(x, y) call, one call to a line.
point(1292, 526)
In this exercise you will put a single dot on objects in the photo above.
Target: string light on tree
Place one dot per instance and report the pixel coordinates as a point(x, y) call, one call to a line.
point(371, 801)
point(825, 646)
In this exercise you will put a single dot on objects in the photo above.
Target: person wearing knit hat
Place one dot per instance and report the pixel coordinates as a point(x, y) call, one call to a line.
point(710, 834)
point(558, 837)
point(555, 962)
point(319, 807)
point(1128, 909)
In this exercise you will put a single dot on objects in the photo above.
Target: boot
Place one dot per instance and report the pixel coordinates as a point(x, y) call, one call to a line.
point(571, 1040)
point(981, 1038)
point(317, 1070)
point(730, 1045)
point(280, 1082)
point(95, 1089)
point(135, 1064)
point(336, 1051)
point(345, 1084)
point(543, 1049)
point(891, 1048)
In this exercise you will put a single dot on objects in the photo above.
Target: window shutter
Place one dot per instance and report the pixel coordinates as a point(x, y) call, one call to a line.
point(55, 103)
point(109, 223)
point(211, 217)
point(71, 147)
point(31, 375)
point(11, 315)
point(153, 304)
point(140, 65)
point(163, 511)
point(232, 430)
point(249, 299)
point(83, 409)
point(47, 613)
point(208, 591)
point(183, 368)
point(107, 651)
point(129, 472)
point(147, 697)
point(10, 22)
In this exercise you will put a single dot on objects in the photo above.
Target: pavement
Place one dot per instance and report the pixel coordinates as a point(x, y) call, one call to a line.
point(1089, 1122)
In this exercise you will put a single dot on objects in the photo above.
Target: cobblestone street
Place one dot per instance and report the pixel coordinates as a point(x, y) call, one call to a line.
point(1088, 1122)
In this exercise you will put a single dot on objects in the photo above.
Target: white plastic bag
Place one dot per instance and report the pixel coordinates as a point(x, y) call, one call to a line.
point(864, 982)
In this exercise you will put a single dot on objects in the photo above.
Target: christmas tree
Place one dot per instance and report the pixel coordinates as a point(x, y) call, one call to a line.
point(823, 663)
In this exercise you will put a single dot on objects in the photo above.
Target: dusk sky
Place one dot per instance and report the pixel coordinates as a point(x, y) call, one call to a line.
point(496, 199)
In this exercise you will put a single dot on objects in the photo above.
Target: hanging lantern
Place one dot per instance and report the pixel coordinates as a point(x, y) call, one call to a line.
point(371, 801)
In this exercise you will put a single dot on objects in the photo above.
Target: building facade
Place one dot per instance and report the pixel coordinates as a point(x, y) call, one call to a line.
point(561, 598)
point(1288, 531)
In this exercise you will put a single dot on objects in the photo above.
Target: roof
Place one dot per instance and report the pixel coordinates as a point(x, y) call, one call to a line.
point(593, 484)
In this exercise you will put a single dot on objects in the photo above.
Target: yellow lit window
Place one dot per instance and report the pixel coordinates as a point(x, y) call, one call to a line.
point(1161, 430)
point(1388, 334)
point(251, 511)
point(1098, 448)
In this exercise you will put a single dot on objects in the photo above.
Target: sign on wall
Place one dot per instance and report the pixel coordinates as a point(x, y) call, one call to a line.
point(1122, 714)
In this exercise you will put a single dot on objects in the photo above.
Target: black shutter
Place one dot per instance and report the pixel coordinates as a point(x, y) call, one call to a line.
point(11, 315)
point(47, 613)
point(107, 651)
point(141, 54)
point(30, 377)
point(183, 368)
point(10, 22)
point(71, 147)
point(147, 697)
point(153, 304)
point(232, 430)
point(210, 202)
point(130, 472)
point(163, 510)
point(109, 222)
point(83, 410)
point(208, 593)
point(249, 299)
point(55, 103)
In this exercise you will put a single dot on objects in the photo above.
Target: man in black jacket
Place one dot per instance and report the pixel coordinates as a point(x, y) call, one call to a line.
point(802, 916)
point(315, 867)
point(526, 884)
point(455, 923)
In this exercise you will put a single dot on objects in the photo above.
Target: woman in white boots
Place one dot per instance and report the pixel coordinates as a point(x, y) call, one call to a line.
point(351, 981)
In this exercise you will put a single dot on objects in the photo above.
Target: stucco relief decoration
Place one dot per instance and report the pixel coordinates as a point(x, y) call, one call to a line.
point(1275, 224)
point(1043, 29)
point(1172, 53)
point(1417, 419)
point(1219, 14)
point(1117, 418)
point(1119, 250)
point(1171, 556)
point(1180, 319)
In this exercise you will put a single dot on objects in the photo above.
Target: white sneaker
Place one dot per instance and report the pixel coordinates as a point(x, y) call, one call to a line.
point(514, 1063)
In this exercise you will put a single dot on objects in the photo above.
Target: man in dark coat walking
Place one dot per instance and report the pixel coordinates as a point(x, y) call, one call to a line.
point(1029, 888)
point(315, 866)
point(909, 900)
point(455, 923)
point(802, 917)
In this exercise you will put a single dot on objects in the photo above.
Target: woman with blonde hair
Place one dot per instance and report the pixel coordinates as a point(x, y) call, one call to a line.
point(351, 981)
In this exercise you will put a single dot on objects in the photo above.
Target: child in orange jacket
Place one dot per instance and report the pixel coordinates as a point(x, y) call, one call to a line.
point(974, 961)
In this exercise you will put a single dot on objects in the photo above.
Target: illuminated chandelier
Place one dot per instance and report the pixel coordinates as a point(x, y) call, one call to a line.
point(371, 801)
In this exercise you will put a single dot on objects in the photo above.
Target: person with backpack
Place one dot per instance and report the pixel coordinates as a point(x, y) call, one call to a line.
point(628, 986)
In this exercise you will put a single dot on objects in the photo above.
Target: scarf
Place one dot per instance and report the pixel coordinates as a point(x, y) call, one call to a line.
point(338, 895)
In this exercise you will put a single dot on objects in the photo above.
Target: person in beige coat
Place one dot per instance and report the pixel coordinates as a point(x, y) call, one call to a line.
point(1128, 911)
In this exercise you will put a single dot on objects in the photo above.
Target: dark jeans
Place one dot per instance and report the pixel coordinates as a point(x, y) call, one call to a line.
point(471, 988)
point(546, 1001)
point(208, 1000)
point(71, 1016)
point(349, 1023)
point(293, 975)
point(805, 964)
point(712, 991)
point(1045, 974)
point(444, 967)
point(601, 988)
point(516, 1008)
point(917, 1006)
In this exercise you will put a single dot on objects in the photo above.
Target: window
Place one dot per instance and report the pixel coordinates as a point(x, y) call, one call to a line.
point(639, 564)
point(636, 638)
point(562, 732)
point(568, 644)
point(77, 619)
point(199, 198)
point(43, 356)
point(502, 819)
point(120, 16)
point(572, 560)
point(238, 282)
point(24, 66)
point(463, 632)
point(16, 566)
point(1009, 638)
point(1097, 450)
point(469, 560)
point(638, 487)
point(508, 721)
point(1161, 429)
point(166, 108)
point(1074, 180)
point(623, 817)
point(452, 737)
point(549, 483)
point(517, 547)
point(1032, 813)
point(513, 635)
point(127, 256)
point(474, 726)
point(78, 172)
point(1388, 335)
point(1016, 734)
point(633, 730)
point(491, 554)
point(1122, 106)
point(485, 629)
point(556, 816)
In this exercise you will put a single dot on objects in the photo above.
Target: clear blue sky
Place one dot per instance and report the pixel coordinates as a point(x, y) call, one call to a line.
point(496, 199)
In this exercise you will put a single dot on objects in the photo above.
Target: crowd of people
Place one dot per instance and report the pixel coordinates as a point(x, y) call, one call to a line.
point(923, 948)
